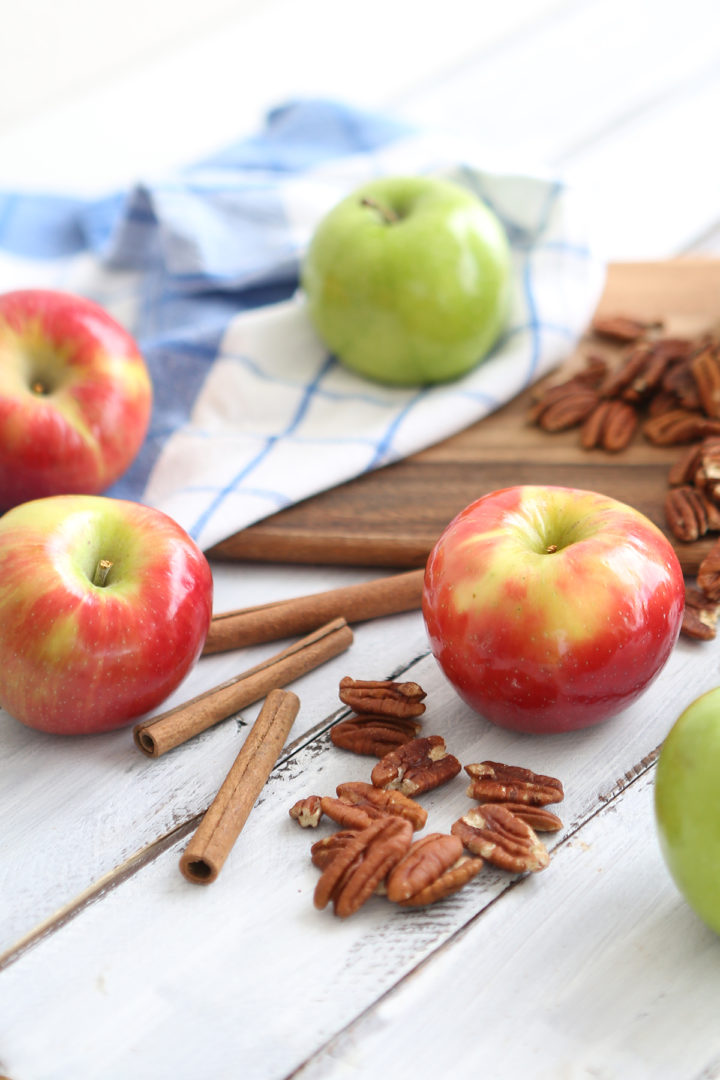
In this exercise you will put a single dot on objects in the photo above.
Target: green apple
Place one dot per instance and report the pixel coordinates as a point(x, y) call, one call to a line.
point(687, 805)
point(408, 280)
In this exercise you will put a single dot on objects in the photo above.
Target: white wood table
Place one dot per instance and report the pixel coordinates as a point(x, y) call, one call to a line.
point(111, 964)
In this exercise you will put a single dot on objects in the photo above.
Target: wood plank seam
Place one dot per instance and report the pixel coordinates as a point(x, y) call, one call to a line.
point(142, 858)
point(136, 862)
point(100, 888)
point(631, 777)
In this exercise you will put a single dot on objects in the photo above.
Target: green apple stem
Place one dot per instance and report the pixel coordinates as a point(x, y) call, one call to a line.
point(388, 215)
point(102, 570)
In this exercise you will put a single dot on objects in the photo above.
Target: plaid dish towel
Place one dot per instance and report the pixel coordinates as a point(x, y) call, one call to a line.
point(251, 414)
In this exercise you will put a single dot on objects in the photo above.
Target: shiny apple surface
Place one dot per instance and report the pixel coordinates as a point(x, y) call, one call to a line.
point(550, 608)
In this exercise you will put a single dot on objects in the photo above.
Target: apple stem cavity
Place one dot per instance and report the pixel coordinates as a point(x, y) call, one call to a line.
point(102, 570)
point(386, 213)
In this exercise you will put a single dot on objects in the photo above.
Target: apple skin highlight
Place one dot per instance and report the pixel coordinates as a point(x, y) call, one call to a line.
point(76, 657)
point(551, 609)
point(75, 396)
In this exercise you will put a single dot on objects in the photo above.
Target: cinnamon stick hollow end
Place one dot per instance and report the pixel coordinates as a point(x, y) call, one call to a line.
point(144, 741)
point(158, 734)
point(221, 825)
point(199, 871)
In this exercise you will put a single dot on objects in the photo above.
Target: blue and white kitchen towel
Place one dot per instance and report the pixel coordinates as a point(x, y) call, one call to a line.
point(251, 414)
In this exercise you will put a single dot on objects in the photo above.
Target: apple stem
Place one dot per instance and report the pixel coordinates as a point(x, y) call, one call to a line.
point(388, 215)
point(551, 549)
point(102, 570)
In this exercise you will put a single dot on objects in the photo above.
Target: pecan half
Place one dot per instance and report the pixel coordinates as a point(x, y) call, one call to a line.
point(323, 851)
point(382, 698)
point(433, 868)
point(594, 373)
point(610, 426)
point(646, 381)
point(679, 381)
point(673, 349)
point(348, 816)
point(418, 766)
point(621, 379)
point(662, 402)
point(621, 327)
point(454, 878)
point(494, 782)
point(374, 800)
point(591, 376)
point(307, 812)
point(700, 616)
point(494, 833)
point(708, 470)
point(711, 490)
point(567, 410)
point(536, 817)
point(679, 426)
point(705, 367)
point(352, 876)
point(712, 507)
point(574, 397)
point(695, 627)
point(686, 513)
point(684, 470)
point(374, 736)
point(708, 575)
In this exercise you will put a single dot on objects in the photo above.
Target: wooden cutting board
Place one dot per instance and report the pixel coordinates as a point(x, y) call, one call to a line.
point(392, 516)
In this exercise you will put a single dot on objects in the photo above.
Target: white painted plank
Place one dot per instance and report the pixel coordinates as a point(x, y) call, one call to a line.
point(75, 809)
point(569, 80)
point(618, 99)
point(185, 102)
point(598, 969)
point(610, 974)
point(166, 974)
point(653, 182)
point(72, 46)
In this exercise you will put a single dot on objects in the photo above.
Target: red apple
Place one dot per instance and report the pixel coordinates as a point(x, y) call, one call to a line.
point(549, 608)
point(104, 608)
point(75, 396)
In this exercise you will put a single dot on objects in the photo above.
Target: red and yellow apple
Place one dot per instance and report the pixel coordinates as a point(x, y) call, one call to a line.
point(75, 396)
point(550, 608)
point(104, 608)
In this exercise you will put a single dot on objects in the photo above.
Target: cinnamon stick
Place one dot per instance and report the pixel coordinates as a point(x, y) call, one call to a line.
point(283, 618)
point(322, 546)
point(211, 843)
point(159, 734)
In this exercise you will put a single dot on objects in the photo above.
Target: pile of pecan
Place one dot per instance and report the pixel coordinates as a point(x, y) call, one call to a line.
point(669, 389)
point(373, 852)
